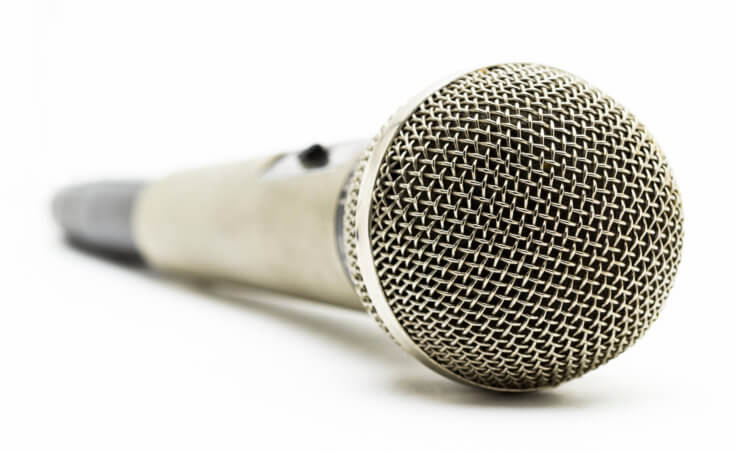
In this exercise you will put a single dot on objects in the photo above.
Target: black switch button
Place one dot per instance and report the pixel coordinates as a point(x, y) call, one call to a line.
point(315, 156)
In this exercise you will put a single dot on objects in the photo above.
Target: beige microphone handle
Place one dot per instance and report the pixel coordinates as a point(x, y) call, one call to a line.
point(231, 223)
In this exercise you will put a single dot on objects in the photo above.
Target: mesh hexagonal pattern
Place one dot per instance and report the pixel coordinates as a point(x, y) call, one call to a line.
point(525, 227)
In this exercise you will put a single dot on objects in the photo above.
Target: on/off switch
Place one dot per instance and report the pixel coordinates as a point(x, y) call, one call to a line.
point(315, 156)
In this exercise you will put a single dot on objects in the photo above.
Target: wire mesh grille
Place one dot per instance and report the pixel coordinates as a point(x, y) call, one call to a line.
point(524, 226)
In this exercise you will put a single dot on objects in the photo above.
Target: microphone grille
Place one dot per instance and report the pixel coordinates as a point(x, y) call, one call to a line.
point(523, 228)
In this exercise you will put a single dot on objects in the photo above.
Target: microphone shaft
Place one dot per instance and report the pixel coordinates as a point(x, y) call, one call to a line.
point(271, 223)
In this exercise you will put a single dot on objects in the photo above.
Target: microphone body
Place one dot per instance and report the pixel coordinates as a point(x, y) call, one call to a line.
point(273, 223)
point(512, 227)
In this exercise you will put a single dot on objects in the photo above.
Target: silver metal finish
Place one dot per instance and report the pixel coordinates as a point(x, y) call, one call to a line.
point(511, 227)
point(97, 215)
point(514, 228)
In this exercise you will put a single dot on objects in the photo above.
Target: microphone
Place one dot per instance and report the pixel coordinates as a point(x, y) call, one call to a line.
point(511, 227)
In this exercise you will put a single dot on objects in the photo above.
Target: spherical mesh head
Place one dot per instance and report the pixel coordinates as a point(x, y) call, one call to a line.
point(524, 227)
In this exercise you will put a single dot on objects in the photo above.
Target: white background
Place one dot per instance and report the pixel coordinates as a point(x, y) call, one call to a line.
point(97, 356)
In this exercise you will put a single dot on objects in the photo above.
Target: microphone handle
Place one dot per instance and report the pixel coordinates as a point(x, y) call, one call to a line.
point(272, 223)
